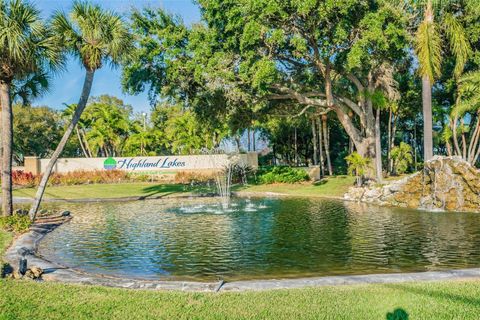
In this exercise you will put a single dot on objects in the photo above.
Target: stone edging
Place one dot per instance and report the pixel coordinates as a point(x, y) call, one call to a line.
point(54, 272)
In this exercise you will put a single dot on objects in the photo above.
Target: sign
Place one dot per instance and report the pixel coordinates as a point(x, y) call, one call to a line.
point(150, 164)
point(143, 163)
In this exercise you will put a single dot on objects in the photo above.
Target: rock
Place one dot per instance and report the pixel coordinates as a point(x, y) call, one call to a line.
point(29, 274)
point(16, 275)
point(445, 183)
point(34, 273)
point(354, 194)
point(66, 213)
point(37, 272)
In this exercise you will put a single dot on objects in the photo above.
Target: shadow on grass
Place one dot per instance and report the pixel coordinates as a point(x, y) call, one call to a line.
point(168, 189)
point(397, 314)
point(435, 294)
point(320, 182)
point(164, 189)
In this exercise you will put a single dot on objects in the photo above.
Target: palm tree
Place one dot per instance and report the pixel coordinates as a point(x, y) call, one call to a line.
point(79, 129)
point(467, 106)
point(428, 47)
point(94, 36)
point(31, 87)
point(27, 45)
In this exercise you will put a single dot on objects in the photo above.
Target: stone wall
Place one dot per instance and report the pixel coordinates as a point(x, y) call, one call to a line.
point(161, 165)
point(445, 183)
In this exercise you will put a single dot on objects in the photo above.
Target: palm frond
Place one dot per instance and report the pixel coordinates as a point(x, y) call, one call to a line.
point(459, 43)
point(468, 94)
point(428, 49)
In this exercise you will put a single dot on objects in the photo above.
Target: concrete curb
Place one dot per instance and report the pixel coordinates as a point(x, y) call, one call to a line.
point(57, 273)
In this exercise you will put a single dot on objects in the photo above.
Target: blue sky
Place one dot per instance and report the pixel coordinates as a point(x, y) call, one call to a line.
point(66, 86)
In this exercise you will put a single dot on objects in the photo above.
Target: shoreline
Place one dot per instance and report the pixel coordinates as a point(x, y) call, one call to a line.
point(54, 272)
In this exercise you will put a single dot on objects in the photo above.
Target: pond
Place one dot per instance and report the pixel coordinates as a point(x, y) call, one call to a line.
point(200, 239)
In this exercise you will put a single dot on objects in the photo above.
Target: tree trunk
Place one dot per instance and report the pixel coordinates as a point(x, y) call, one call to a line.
point(314, 141)
point(253, 140)
point(320, 147)
point(464, 141)
point(296, 147)
point(473, 138)
point(237, 140)
point(327, 145)
point(7, 136)
point(248, 139)
point(80, 141)
point(427, 119)
point(389, 144)
point(378, 148)
point(87, 86)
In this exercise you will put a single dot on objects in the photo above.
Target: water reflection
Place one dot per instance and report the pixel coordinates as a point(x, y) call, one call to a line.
point(262, 238)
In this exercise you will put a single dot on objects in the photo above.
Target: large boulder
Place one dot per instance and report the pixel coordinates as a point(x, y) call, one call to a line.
point(445, 183)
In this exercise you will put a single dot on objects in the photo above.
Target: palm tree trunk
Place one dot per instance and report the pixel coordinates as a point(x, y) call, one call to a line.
point(320, 147)
point(454, 137)
point(253, 140)
point(378, 148)
point(474, 141)
point(389, 144)
point(295, 146)
point(237, 141)
point(314, 141)
point(7, 136)
point(80, 141)
point(85, 141)
point(427, 119)
point(327, 145)
point(87, 86)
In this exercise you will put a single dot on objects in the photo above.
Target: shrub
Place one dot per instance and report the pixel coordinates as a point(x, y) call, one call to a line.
point(88, 177)
point(189, 177)
point(357, 166)
point(402, 158)
point(241, 173)
point(24, 179)
point(282, 174)
point(17, 223)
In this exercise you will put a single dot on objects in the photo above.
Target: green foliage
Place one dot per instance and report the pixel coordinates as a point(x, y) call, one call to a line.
point(108, 125)
point(402, 157)
point(30, 87)
point(28, 44)
point(468, 94)
point(17, 223)
point(36, 131)
point(429, 50)
point(281, 174)
point(357, 166)
point(93, 35)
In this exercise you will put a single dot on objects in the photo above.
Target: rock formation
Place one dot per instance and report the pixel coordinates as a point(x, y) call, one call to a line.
point(445, 183)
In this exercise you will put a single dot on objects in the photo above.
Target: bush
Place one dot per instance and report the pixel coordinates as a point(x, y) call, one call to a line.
point(357, 166)
point(402, 158)
point(17, 223)
point(189, 177)
point(88, 177)
point(27, 179)
point(282, 174)
point(24, 179)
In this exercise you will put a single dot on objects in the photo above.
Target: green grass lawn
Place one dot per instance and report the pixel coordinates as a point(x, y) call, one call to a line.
point(116, 190)
point(329, 187)
point(428, 300)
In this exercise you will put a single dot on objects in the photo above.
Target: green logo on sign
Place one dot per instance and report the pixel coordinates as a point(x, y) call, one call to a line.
point(110, 163)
